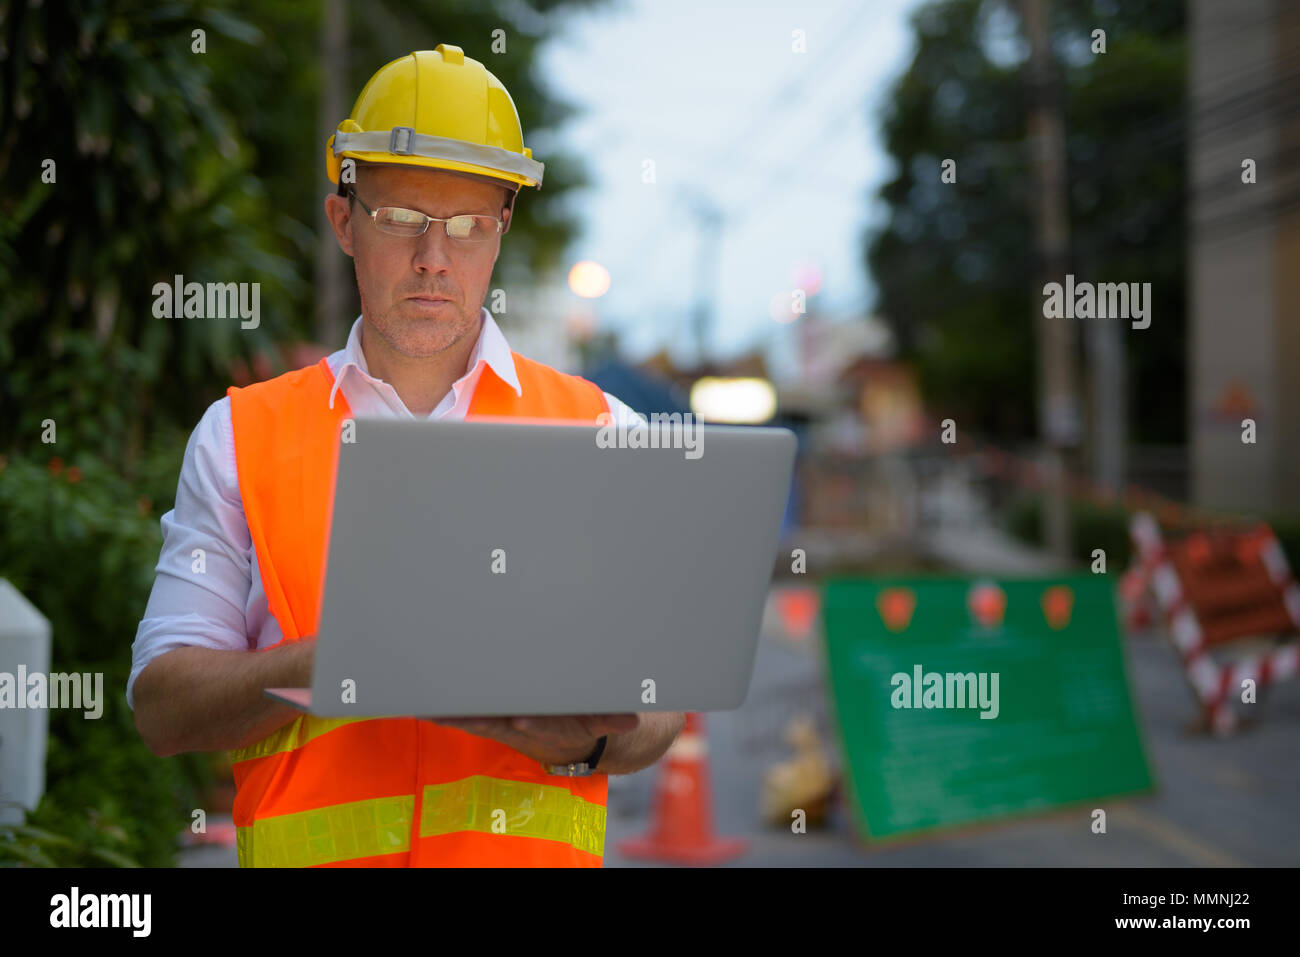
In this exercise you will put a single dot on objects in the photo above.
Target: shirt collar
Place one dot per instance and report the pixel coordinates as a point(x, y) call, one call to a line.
point(490, 349)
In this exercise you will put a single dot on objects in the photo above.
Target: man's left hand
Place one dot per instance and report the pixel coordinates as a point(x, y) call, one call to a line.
point(550, 739)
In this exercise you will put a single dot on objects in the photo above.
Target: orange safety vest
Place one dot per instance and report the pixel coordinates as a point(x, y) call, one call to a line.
point(383, 792)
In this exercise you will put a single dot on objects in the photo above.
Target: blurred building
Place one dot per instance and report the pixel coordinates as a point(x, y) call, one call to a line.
point(859, 399)
point(1244, 263)
point(887, 400)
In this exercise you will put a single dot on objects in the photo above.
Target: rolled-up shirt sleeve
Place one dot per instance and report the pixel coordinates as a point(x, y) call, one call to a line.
point(204, 571)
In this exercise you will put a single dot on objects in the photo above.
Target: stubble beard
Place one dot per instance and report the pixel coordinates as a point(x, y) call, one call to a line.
point(421, 337)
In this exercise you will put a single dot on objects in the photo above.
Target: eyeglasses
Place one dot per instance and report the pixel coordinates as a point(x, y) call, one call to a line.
point(399, 221)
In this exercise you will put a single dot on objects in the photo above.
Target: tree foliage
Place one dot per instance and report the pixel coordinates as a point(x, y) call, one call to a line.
point(205, 164)
point(955, 263)
point(150, 179)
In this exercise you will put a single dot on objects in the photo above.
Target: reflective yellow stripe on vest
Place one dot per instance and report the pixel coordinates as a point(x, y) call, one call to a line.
point(340, 832)
point(291, 737)
point(530, 810)
point(383, 826)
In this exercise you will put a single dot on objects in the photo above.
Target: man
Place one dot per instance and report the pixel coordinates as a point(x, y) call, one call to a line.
point(438, 156)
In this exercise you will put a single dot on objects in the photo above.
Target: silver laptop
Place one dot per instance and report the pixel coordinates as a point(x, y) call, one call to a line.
point(498, 568)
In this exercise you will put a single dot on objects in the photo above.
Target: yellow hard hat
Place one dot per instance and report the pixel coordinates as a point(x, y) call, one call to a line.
point(439, 109)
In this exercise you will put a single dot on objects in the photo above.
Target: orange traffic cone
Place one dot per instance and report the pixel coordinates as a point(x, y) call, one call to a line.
point(682, 830)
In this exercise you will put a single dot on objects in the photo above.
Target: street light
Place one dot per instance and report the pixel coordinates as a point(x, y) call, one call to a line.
point(589, 279)
point(745, 401)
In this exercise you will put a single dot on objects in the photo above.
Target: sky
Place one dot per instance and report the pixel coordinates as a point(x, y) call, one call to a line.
point(783, 144)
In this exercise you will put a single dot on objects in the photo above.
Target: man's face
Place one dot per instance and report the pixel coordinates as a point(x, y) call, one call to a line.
point(421, 294)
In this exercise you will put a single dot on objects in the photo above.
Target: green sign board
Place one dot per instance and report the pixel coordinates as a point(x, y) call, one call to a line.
point(964, 701)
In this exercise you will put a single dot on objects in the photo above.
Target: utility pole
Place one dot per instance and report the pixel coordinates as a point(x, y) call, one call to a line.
point(1105, 346)
point(331, 290)
point(1058, 412)
point(709, 220)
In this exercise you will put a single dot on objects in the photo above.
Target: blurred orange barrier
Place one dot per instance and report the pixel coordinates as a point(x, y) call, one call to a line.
point(1216, 590)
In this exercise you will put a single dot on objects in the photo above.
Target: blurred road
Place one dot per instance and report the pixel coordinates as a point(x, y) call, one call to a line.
point(1218, 803)
point(1228, 803)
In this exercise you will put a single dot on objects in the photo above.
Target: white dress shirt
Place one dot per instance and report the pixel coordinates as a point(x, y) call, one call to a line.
point(226, 607)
